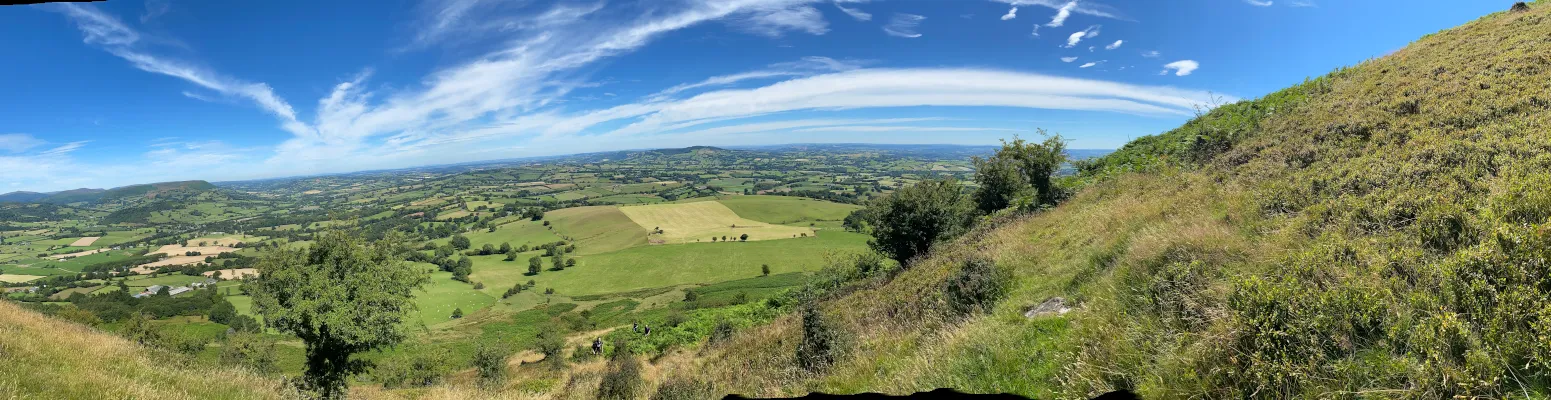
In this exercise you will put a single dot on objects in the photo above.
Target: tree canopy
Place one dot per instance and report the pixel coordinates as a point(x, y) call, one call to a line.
point(341, 296)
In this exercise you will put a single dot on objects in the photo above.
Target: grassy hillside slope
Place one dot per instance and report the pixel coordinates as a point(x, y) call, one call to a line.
point(1381, 231)
point(45, 358)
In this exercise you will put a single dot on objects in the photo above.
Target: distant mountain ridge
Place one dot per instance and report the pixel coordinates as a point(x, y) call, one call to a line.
point(99, 195)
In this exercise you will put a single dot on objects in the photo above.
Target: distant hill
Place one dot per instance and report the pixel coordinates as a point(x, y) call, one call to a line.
point(84, 195)
point(22, 197)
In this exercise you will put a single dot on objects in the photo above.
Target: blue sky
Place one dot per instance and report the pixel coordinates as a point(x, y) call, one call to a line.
point(135, 91)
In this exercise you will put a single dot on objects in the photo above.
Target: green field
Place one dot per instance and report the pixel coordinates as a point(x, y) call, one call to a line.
point(518, 233)
point(693, 263)
point(786, 209)
point(443, 294)
point(597, 229)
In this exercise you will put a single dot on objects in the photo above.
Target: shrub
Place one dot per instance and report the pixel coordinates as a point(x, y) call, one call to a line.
point(623, 379)
point(819, 347)
point(683, 388)
point(977, 286)
point(490, 362)
point(250, 351)
point(691, 295)
point(457, 313)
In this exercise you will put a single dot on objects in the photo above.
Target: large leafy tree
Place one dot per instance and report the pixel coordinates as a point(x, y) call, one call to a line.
point(341, 296)
point(909, 221)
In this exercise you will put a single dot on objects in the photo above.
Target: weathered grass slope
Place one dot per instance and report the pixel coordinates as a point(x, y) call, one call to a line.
point(1377, 232)
point(46, 358)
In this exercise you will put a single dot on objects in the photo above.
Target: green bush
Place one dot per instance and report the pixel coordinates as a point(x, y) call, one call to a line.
point(820, 345)
point(976, 287)
point(622, 381)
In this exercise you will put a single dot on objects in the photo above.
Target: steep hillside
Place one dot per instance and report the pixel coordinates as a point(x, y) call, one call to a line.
point(1380, 231)
point(45, 358)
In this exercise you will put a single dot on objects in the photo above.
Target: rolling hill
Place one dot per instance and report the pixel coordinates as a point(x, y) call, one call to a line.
point(1379, 231)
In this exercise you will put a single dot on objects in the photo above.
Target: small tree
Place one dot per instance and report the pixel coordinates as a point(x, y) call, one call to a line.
point(744, 238)
point(341, 296)
point(460, 243)
point(909, 221)
point(487, 249)
point(570, 262)
point(557, 262)
point(511, 255)
point(250, 351)
point(764, 270)
point(690, 295)
point(506, 247)
point(457, 313)
point(535, 264)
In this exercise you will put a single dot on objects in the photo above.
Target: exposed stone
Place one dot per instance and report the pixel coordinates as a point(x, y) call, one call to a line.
point(1052, 306)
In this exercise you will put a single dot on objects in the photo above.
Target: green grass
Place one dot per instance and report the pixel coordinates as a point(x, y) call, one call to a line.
point(164, 280)
point(678, 264)
point(597, 229)
point(786, 209)
point(518, 233)
point(444, 294)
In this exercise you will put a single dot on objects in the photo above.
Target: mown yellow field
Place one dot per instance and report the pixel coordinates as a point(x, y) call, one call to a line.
point(11, 278)
point(700, 221)
point(85, 241)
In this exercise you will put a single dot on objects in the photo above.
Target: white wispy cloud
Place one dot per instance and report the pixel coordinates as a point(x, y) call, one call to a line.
point(1062, 14)
point(1068, 59)
point(873, 88)
point(64, 149)
point(1077, 37)
point(1151, 54)
point(1115, 45)
point(856, 13)
point(904, 25)
point(1303, 3)
point(118, 39)
point(1259, 3)
point(1013, 13)
point(1181, 68)
point(807, 66)
point(155, 8)
point(18, 142)
point(778, 20)
point(1036, 30)
point(1084, 7)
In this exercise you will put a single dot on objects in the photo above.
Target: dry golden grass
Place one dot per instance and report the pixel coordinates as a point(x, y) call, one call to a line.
point(239, 273)
point(45, 358)
point(700, 221)
point(78, 254)
point(85, 241)
point(13, 278)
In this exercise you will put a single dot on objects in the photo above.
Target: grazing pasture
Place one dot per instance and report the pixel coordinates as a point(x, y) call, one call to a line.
point(597, 229)
point(700, 221)
point(786, 209)
point(646, 267)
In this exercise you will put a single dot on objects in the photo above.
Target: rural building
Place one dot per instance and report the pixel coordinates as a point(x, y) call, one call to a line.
point(178, 290)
